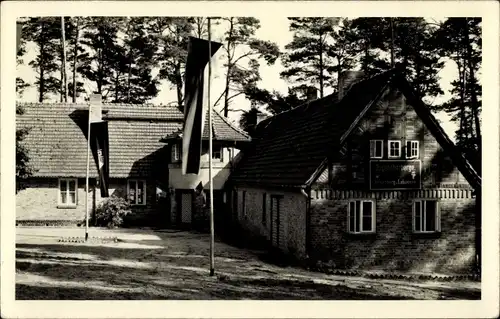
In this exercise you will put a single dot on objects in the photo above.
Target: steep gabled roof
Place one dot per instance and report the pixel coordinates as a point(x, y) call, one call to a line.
point(223, 130)
point(290, 146)
point(290, 149)
point(57, 141)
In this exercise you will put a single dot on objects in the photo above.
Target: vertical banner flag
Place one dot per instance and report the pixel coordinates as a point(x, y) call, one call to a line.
point(99, 134)
point(194, 107)
point(100, 144)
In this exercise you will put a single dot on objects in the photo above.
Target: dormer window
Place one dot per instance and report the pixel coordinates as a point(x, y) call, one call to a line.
point(376, 148)
point(394, 149)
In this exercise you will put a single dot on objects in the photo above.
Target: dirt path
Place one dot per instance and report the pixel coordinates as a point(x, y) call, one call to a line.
point(174, 265)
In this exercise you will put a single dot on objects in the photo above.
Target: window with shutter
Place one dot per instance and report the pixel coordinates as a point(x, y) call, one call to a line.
point(376, 148)
point(412, 148)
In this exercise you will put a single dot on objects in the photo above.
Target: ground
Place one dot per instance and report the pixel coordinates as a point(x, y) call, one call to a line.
point(160, 265)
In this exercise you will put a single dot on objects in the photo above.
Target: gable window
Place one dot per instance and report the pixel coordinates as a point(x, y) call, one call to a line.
point(394, 149)
point(376, 148)
point(217, 153)
point(264, 198)
point(412, 149)
point(361, 216)
point(176, 154)
point(68, 192)
point(426, 217)
point(136, 190)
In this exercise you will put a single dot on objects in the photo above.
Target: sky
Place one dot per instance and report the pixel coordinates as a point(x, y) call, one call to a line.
point(276, 29)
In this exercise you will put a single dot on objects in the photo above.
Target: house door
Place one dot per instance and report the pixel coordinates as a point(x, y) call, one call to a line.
point(275, 221)
point(186, 208)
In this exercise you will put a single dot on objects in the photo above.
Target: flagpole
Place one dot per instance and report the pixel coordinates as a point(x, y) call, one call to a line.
point(212, 271)
point(87, 181)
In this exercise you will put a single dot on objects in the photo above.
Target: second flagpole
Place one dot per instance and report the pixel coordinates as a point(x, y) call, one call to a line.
point(212, 270)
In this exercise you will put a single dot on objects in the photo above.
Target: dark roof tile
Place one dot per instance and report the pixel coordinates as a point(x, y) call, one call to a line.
point(223, 130)
point(58, 147)
point(287, 149)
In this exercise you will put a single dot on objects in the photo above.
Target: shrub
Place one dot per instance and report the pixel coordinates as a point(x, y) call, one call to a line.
point(111, 211)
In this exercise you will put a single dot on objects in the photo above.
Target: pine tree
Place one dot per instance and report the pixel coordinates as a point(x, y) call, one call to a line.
point(75, 51)
point(45, 33)
point(369, 36)
point(173, 36)
point(242, 54)
point(343, 50)
point(23, 167)
point(307, 61)
point(101, 61)
point(21, 84)
point(140, 52)
point(461, 42)
point(274, 102)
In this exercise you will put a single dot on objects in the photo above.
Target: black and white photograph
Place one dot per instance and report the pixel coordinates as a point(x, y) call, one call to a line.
point(243, 156)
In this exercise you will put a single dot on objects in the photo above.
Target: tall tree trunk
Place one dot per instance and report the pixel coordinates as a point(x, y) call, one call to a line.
point(41, 82)
point(364, 65)
point(75, 56)
point(229, 67)
point(100, 72)
point(393, 58)
point(471, 83)
point(61, 82)
point(129, 75)
point(178, 79)
point(116, 86)
point(321, 65)
point(63, 64)
point(129, 58)
point(199, 25)
point(339, 72)
point(463, 122)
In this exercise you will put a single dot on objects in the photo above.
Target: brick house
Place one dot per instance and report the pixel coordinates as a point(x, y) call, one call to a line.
point(139, 162)
point(186, 205)
point(365, 179)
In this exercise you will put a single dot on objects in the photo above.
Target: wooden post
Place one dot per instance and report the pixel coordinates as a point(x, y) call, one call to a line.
point(212, 241)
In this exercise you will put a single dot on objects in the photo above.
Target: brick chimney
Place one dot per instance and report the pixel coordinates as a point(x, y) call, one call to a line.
point(311, 94)
point(347, 79)
point(260, 117)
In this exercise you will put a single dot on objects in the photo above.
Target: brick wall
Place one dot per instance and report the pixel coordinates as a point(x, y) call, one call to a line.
point(393, 118)
point(292, 208)
point(394, 246)
point(39, 201)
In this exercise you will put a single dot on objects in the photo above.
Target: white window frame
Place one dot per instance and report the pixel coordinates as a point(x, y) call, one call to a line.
point(423, 216)
point(220, 150)
point(175, 153)
point(373, 216)
point(414, 146)
point(374, 148)
point(389, 149)
point(59, 199)
point(136, 181)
